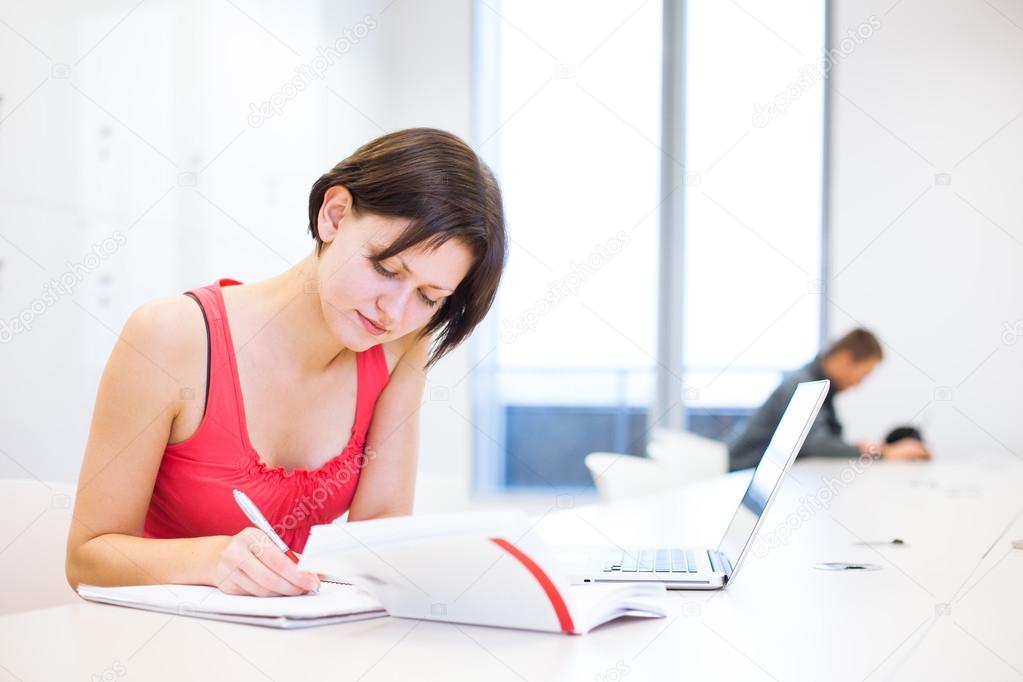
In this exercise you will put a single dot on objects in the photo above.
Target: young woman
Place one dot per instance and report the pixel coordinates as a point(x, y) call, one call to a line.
point(301, 390)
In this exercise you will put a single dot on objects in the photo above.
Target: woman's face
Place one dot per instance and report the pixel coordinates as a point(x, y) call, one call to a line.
point(365, 303)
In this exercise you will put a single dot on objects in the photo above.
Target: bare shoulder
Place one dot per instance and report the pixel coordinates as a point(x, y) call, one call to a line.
point(408, 350)
point(168, 326)
point(170, 334)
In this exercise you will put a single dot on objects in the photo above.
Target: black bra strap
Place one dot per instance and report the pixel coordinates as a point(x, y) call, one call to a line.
point(206, 400)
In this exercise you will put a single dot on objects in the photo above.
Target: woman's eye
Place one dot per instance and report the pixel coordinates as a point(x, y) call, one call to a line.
point(382, 270)
point(390, 275)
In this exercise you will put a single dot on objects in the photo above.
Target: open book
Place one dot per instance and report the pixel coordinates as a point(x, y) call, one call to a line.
point(483, 569)
point(335, 603)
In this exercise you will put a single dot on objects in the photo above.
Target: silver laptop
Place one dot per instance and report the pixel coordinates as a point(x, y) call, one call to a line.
point(708, 569)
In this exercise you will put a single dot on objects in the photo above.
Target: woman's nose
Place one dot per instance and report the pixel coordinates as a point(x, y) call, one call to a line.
point(393, 304)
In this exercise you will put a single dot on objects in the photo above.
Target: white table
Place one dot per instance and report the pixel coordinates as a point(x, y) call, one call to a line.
point(946, 605)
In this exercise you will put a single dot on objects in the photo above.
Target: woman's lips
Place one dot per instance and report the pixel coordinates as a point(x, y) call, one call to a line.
point(369, 325)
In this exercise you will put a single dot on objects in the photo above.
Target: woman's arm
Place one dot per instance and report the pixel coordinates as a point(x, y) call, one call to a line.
point(139, 397)
point(388, 478)
point(137, 402)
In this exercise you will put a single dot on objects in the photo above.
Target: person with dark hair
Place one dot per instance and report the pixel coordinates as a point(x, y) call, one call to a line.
point(846, 363)
point(301, 390)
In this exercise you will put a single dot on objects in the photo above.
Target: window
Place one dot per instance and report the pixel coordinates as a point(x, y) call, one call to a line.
point(573, 139)
point(569, 116)
point(754, 148)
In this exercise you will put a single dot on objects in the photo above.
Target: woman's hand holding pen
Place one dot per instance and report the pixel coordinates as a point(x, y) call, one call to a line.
point(250, 563)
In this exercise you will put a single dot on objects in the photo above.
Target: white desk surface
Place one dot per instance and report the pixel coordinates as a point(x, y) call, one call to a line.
point(948, 605)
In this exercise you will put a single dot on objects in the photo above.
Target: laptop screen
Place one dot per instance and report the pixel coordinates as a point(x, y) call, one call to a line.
point(781, 451)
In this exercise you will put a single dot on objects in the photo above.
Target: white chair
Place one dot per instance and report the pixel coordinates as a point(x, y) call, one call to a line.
point(618, 476)
point(687, 456)
point(34, 520)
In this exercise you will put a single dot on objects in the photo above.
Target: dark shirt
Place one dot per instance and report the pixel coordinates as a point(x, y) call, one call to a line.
point(824, 439)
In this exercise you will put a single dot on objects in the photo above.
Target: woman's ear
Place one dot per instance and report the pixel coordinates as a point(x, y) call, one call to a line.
point(337, 205)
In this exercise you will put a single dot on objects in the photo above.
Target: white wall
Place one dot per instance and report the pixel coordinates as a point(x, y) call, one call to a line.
point(101, 119)
point(934, 269)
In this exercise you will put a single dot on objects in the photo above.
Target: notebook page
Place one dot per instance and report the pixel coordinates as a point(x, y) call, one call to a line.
point(332, 600)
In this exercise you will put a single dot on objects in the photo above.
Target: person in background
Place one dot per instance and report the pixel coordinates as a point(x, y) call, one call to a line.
point(846, 363)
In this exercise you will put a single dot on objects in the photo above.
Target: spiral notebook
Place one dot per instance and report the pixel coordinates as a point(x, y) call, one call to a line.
point(334, 603)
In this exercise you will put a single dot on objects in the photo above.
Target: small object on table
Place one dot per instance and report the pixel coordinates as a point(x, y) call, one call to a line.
point(893, 541)
point(846, 566)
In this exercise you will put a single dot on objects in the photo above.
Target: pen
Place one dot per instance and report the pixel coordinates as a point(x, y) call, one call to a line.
point(257, 518)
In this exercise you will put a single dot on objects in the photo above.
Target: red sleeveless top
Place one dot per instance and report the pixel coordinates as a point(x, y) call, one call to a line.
point(192, 494)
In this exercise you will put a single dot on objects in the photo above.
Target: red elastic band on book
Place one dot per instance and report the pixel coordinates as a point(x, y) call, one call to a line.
point(560, 609)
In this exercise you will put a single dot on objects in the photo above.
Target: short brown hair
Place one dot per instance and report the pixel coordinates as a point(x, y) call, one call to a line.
point(860, 343)
point(437, 181)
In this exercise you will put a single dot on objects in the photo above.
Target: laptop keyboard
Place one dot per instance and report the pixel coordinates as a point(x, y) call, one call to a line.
point(652, 561)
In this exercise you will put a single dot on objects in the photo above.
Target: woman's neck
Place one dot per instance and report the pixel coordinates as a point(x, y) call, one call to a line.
point(288, 319)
